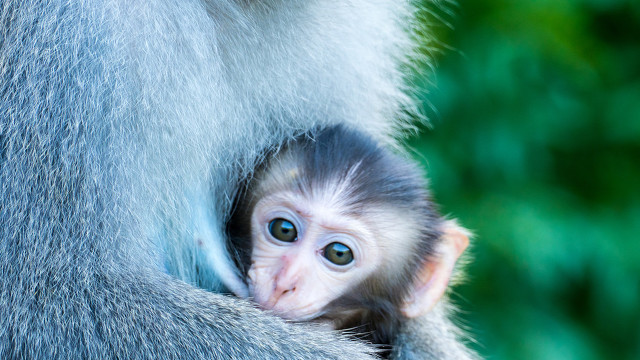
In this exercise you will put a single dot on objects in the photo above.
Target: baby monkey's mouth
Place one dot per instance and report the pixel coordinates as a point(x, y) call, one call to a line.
point(290, 304)
point(289, 307)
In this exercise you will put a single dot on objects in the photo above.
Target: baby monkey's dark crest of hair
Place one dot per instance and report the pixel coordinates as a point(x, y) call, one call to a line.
point(375, 177)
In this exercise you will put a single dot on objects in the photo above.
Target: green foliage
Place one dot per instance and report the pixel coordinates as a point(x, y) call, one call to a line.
point(535, 147)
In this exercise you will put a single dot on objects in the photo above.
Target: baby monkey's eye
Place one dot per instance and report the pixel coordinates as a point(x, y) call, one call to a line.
point(339, 254)
point(283, 230)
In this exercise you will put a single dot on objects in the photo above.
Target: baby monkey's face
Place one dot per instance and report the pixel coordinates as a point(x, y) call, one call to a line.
point(307, 252)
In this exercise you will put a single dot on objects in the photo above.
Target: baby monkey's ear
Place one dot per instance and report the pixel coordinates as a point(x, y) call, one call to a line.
point(433, 278)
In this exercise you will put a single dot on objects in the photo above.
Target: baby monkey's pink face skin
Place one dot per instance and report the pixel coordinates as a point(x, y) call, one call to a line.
point(307, 253)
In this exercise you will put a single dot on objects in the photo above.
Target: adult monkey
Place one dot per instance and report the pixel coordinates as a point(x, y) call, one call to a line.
point(112, 114)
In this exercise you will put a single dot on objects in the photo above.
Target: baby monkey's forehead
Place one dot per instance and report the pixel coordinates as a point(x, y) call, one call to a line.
point(328, 210)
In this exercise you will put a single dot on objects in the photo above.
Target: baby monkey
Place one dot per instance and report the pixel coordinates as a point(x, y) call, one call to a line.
point(336, 229)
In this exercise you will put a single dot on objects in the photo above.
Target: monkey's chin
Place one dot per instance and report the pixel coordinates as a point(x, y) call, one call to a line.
point(288, 312)
point(287, 308)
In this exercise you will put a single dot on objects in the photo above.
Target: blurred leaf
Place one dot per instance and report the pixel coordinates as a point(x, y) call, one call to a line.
point(535, 147)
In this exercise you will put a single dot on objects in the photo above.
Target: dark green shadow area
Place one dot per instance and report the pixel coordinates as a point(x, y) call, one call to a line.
point(535, 147)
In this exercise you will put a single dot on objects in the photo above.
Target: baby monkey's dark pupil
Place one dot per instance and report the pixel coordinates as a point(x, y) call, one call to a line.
point(338, 253)
point(283, 230)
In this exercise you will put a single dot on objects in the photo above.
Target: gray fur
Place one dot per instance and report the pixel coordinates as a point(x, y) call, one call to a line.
point(432, 337)
point(115, 115)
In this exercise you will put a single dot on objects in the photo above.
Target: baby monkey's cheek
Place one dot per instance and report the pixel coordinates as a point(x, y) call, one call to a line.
point(260, 282)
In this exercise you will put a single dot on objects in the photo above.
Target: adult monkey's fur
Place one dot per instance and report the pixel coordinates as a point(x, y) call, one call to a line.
point(118, 117)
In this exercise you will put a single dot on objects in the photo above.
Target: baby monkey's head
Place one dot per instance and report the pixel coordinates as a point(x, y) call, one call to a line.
point(334, 227)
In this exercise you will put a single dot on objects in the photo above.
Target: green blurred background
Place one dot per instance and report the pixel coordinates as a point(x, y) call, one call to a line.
point(535, 147)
